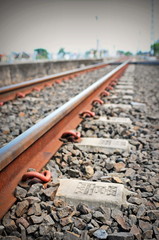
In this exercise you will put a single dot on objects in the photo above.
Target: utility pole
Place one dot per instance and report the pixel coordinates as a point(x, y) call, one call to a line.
point(152, 26)
point(97, 37)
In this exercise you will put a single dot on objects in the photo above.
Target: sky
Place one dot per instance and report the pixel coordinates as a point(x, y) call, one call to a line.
point(76, 25)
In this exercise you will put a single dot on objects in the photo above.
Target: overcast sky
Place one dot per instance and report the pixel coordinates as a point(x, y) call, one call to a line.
point(72, 24)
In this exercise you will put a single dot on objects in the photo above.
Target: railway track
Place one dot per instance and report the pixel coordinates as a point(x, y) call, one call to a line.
point(18, 115)
point(116, 177)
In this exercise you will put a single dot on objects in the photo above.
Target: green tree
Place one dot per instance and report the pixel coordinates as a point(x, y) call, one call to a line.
point(155, 48)
point(41, 53)
point(61, 52)
point(87, 53)
point(128, 53)
point(120, 52)
point(94, 53)
point(140, 53)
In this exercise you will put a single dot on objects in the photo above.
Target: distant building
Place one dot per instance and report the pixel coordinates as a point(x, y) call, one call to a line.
point(3, 58)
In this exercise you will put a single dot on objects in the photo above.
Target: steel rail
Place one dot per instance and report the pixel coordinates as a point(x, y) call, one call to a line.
point(10, 92)
point(35, 147)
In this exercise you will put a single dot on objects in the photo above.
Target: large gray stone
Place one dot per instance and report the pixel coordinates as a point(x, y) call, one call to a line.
point(100, 234)
point(104, 145)
point(94, 194)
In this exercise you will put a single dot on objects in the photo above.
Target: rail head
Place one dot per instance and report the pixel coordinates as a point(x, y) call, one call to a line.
point(18, 145)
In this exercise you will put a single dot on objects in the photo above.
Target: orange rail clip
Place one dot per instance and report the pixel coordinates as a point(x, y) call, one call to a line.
point(104, 94)
point(71, 136)
point(97, 100)
point(20, 94)
point(45, 176)
point(87, 113)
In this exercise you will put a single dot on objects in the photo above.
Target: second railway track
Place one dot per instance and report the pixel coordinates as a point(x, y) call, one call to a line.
point(22, 89)
point(19, 114)
point(108, 192)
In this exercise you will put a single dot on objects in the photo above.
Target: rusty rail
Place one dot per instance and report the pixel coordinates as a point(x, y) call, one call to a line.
point(10, 92)
point(35, 147)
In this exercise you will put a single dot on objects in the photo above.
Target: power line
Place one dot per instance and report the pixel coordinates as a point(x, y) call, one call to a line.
point(152, 23)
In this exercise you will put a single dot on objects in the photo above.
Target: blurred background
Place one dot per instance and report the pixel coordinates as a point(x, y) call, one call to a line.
point(39, 30)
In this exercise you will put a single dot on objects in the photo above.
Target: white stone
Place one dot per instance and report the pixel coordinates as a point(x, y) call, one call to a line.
point(114, 120)
point(94, 194)
point(124, 91)
point(105, 145)
point(123, 106)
